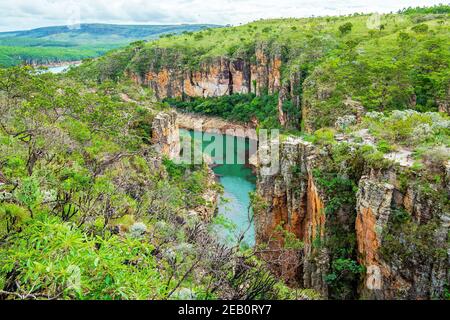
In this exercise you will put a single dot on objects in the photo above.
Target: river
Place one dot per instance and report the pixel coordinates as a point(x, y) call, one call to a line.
point(238, 181)
point(62, 68)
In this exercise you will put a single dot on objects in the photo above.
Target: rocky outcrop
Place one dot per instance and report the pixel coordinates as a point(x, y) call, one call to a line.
point(208, 210)
point(215, 77)
point(402, 240)
point(400, 232)
point(165, 134)
point(166, 142)
point(295, 204)
point(166, 72)
point(190, 121)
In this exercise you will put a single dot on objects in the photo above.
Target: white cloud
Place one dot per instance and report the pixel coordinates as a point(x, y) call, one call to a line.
point(26, 14)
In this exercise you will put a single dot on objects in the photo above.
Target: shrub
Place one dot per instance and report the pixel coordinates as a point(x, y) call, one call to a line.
point(422, 131)
point(138, 230)
point(324, 136)
point(421, 28)
point(344, 122)
point(68, 264)
point(12, 217)
point(436, 158)
point(384, 146)
point(345, 28)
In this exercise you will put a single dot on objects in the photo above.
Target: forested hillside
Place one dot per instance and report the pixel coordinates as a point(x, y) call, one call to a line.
point(71, 43)
point(316, 64)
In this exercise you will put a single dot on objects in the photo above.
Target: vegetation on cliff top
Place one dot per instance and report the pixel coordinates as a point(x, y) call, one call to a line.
point(380, 62)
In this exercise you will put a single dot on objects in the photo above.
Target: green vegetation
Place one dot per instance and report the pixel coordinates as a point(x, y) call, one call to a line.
point(426, 135)
point(14, 55)
point(58, 44)
point(346, 28)
point(409, 128)
point(340, 241)
point(67, 263)
point(418, 57)
point(236, 107)
point(89, 210)
point(407, 242)
point(341, 62)
point(438, 9)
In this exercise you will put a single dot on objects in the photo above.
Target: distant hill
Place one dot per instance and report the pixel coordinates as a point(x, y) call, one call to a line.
point(68, 43)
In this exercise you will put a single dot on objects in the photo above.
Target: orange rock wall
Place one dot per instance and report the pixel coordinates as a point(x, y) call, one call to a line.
point(295, 205)
point(216, 77)
point(294, 202)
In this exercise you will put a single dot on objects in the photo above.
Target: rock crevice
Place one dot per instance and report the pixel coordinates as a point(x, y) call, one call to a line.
point(400, 234)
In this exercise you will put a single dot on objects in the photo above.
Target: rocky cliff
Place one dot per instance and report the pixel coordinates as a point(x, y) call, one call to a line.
point(402, 236)
point(214, 77)
point(166, 142)
point(372, 235)
point(165, 134)
point(259, 72)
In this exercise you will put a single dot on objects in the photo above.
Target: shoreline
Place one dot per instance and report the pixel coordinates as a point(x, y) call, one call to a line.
point(191, 121)
point(58, 64)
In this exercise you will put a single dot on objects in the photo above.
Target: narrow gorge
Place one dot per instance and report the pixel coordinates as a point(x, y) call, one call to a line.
point(367, 230)
point(234, 172)
point(280, 159)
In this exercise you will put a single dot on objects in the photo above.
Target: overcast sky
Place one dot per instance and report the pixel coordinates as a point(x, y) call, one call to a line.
point(27, 14)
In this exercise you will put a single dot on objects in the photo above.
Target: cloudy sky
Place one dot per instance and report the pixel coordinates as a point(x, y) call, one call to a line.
point(26, 14)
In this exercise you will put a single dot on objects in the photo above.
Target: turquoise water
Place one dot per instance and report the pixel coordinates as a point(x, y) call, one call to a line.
point(59, 69)
point(234, 217)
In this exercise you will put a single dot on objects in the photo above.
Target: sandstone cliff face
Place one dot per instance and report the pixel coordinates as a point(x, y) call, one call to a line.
point(215, 77)
point(165, 134)
point(294, 204)
point(258, 73)
point(401, 264)
point(401, 233)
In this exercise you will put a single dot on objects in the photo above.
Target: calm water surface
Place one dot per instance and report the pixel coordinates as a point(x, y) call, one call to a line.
point(238, 181)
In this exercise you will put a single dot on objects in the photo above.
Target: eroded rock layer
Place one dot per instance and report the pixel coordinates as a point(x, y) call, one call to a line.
point(165, 134)
point(215, 77)
point(396, 232)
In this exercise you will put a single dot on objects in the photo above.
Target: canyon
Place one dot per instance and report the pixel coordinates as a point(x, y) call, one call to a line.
point(295, 200)
point(363, 230)
point(281, 159)
point(297, 203)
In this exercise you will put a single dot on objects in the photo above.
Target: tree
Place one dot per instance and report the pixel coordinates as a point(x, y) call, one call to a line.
point(346, 28)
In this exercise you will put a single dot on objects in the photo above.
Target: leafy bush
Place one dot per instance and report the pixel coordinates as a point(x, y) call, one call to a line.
point(345, 28)
point(67, 264)
point(420, 28)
